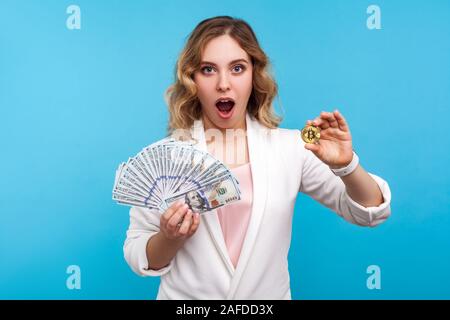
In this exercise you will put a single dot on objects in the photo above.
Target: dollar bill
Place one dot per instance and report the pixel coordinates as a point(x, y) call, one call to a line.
point(216, 194)
point(169, 170)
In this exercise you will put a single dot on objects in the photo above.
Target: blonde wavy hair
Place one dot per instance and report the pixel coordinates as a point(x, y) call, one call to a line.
point(181, 97)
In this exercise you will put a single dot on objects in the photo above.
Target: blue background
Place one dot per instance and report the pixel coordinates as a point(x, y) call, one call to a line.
point(75, 103)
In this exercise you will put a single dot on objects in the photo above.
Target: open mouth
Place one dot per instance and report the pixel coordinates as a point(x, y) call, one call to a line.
point(225, 105)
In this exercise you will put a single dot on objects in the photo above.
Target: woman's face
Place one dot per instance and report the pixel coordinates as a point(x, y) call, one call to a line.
point(224, 83)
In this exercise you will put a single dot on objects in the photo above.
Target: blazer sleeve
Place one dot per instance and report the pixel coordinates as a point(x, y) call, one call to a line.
point(320, 183)
point(144, 224)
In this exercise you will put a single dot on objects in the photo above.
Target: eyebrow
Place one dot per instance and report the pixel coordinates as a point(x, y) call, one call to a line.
point(232, 62)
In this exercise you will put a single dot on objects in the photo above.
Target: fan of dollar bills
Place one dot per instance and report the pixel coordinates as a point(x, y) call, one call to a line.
point(172, 170)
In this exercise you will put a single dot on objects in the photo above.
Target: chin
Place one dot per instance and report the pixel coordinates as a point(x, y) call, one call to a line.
point(225, 121)
point(228, 123)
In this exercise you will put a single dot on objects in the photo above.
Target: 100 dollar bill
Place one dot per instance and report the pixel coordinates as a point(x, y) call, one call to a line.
point(218, 193)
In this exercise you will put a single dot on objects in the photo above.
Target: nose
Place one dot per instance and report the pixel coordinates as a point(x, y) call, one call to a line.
point(223, 83)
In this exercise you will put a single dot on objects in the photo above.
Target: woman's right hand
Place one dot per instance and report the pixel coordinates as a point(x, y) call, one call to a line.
point(179, 222)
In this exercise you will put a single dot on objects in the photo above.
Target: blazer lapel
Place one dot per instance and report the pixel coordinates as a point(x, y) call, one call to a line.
point(211, 218)
point(256, 135)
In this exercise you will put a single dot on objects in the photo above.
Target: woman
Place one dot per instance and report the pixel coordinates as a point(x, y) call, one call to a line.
point(223, 95)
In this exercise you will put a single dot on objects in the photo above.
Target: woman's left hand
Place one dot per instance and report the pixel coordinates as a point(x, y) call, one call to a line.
point(335, 143)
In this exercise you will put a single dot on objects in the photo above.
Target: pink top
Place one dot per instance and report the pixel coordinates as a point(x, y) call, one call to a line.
point(235, 217)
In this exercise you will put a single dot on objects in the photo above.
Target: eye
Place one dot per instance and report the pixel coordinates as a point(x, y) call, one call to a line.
point(238, 68)
point(207, 69)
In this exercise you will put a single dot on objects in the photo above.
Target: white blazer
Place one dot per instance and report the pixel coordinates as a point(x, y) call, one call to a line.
point(281, 167)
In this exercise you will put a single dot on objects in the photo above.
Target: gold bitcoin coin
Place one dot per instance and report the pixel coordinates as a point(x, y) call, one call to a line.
point(311, 134)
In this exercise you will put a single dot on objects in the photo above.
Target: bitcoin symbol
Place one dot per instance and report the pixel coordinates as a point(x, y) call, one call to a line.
point(311, 134)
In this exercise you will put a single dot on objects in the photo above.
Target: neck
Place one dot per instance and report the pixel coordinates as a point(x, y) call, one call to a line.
point(229, 145)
